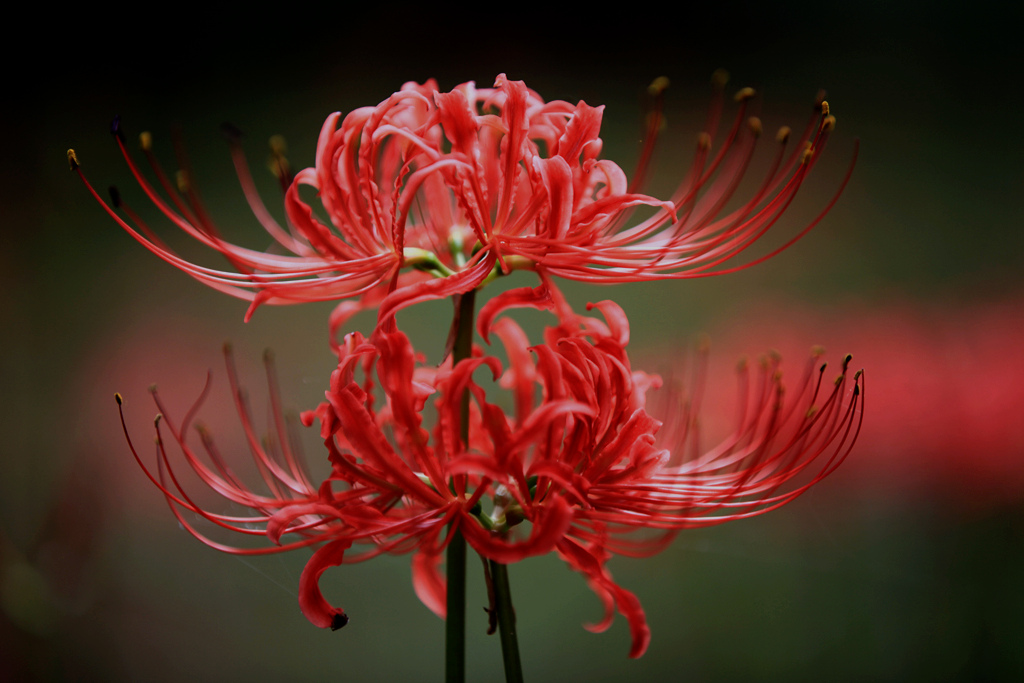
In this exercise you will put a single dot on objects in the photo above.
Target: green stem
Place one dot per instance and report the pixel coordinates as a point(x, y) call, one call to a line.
point(506, 623)
point(455, 623)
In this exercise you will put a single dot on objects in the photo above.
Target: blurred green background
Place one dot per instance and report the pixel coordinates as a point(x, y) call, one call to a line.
point(907, 564)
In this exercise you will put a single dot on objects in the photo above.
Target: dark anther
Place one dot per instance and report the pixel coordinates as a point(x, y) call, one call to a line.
point(231, 132)
point(338, 621)
point(115, 128)
point(115, 196)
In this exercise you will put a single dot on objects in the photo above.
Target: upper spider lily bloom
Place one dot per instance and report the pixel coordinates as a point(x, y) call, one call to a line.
point(479, 181)
point(579, 456)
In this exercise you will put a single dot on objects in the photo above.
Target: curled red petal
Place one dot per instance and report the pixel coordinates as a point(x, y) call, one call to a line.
point(550, 525)
point(600, 580)
point(311, 601)
point(521, 297)
point(431, 588)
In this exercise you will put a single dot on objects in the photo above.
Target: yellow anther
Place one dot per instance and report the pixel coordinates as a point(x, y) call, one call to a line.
point(657, 86)
point(828, 124)
point(824, 108)
point(72, 159)
point(743, 94)
point(807, 153)
point(145, 141)
point(719, 78)
point(704, 141)
point(783, 134)
point(278, 145)
point(755, 125)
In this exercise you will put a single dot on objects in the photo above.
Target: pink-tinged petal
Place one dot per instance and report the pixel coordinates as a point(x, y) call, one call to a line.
point(618, 323)
point(457, 119)
point(556, 175)
point(581, 131)
point(513, 146)
point(311, 601)
point(430, 586)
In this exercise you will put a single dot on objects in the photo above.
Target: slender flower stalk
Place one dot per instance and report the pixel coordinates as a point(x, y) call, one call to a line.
point(455, 622)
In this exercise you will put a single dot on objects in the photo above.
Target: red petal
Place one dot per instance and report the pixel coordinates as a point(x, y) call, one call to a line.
point(431, 588)
point(311, 600)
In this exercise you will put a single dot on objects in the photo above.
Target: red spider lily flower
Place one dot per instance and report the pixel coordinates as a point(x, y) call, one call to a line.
point(484, 180)
point(580, 466)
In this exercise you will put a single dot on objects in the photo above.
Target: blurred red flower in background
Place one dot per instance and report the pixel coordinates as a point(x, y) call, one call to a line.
point(946, 399)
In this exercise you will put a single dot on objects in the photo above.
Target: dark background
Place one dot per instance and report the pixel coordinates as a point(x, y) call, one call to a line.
point(906, 564)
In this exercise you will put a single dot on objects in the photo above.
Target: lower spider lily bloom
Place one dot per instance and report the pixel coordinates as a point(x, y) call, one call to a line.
point(579, 465)
point(484, 180)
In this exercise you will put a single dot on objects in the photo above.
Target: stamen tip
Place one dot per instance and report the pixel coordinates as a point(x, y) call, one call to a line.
point(72, 160)
point(743, 94)
point(115, 128)
point(152, 388)
point(268, 356)
point(117, 397)
point(338, 620)
point(824, 108)
point(704, 141)
point(278, 145)
point(231, 131)
point(754, 123)
point(719, 78)
point(146, 140)
point(115, 196)
point(828, 123)
point(783, 135)
point(658, 86)
point(817, 351)
point(807, 154)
